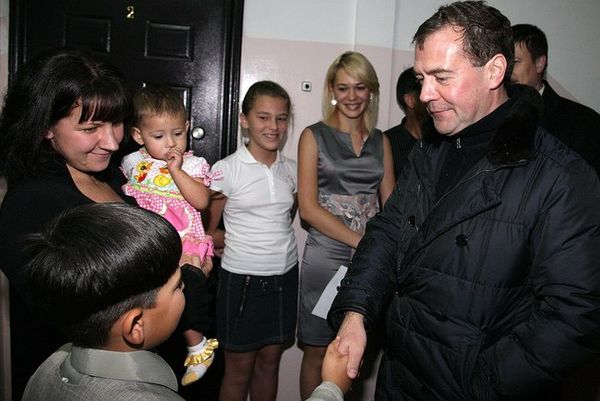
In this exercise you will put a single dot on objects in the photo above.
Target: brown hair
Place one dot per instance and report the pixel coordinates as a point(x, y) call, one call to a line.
point(485, 31)
point(156, 100)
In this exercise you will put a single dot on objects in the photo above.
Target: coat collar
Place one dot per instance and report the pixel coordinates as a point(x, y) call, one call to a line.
point(137, 366)
point(513, 143)
point(551, 99)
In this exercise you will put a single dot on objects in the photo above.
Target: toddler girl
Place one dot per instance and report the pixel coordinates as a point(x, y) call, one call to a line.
point(167, 180)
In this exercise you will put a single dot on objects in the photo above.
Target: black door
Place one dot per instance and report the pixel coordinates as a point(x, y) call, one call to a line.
point(191, 45)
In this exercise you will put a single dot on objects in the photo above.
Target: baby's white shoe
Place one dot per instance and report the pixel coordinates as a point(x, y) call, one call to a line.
point(199, 359)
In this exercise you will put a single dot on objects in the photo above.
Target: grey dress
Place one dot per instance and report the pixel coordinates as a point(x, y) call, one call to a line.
point(348, 188)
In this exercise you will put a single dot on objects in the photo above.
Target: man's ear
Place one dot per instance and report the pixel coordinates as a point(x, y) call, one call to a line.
point(132, 327)
point(137, 135)
point(540, 64)
point(496, 67)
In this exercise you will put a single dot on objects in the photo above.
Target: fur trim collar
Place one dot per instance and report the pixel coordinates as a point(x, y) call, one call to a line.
point(514, 141)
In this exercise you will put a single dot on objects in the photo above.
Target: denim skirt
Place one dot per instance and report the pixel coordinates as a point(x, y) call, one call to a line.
point(254, 311)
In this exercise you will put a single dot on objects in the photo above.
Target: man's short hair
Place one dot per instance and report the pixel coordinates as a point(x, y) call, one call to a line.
point(485, 31)
point(533, 38)
point(95, 262)
point(407, 83)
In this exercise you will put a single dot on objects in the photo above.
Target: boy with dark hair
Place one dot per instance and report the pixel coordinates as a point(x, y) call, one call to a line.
point(108, 276)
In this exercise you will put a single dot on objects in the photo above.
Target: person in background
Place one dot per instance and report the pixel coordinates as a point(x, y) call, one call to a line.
point(108, 276)
point(576, 125)
point(345, 174)
point(165, 178)
point(62, 121)
point(258, 281)
point(405, 135)
point(483, 263)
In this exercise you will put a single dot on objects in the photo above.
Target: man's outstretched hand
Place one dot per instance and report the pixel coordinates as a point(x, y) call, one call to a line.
point(352, 342)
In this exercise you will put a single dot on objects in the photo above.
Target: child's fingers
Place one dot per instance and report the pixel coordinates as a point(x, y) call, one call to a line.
point(190, 259)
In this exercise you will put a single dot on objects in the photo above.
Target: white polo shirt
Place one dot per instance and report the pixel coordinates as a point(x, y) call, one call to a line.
point(259, 239)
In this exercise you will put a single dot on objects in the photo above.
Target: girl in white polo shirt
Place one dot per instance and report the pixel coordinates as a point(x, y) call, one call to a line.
point(258, 282)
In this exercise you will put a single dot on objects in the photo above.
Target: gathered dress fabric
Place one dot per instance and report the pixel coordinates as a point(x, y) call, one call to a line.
point(348, 188)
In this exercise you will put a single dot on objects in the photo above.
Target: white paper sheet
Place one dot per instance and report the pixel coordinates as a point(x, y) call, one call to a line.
point(326, 299)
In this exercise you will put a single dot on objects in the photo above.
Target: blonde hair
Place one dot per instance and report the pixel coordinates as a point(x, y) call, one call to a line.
point(358, 67)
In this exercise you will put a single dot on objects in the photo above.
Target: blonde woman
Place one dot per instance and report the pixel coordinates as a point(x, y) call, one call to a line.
point(345, 174)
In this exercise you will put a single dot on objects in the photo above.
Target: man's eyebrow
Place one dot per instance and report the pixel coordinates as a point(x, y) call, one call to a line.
point(438, 71)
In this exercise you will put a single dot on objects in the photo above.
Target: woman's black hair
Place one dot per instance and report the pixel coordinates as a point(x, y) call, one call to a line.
point(45, 90)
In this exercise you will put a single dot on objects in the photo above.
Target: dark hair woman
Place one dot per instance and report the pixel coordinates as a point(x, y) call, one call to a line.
point(62, 121)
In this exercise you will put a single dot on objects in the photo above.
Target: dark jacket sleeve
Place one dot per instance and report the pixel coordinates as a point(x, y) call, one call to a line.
point(198, 291)
point(564, 325)
point(370, 280)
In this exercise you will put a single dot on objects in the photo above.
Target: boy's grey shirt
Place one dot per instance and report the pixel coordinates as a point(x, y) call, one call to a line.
point(74, 373)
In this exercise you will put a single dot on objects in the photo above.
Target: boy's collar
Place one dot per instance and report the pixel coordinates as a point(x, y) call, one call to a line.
point(141, 366)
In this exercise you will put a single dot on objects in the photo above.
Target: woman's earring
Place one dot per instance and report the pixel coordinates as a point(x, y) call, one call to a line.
point(333, 101)
point(371, 97)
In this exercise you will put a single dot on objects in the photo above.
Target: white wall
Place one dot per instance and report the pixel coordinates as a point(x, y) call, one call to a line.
point(290, 41)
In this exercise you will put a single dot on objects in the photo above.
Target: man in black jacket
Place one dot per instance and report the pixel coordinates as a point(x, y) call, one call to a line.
point(576, 125)
point(484, 261)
